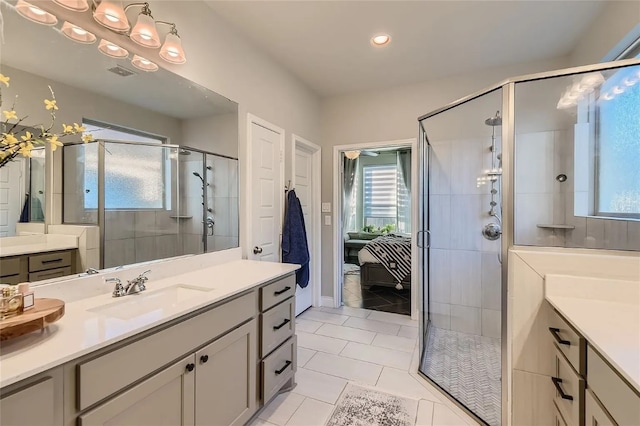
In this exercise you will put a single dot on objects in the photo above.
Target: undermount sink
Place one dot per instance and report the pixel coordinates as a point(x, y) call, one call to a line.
point(135, 305)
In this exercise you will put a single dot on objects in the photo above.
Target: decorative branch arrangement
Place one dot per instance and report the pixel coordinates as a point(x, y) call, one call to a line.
point(15, 141)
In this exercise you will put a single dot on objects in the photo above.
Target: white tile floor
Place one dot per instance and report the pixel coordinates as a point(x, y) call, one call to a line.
point(336, 346)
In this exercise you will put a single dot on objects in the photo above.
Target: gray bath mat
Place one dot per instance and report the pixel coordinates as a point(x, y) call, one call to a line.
point(360, 406)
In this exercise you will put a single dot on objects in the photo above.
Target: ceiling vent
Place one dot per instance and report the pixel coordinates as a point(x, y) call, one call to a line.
point(121, 71)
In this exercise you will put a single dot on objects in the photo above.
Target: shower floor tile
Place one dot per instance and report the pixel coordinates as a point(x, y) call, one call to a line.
point(467, 366)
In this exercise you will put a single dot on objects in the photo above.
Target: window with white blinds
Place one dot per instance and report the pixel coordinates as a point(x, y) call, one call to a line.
point(383, 194)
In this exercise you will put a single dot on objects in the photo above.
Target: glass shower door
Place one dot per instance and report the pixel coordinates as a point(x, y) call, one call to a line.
point(461, 350)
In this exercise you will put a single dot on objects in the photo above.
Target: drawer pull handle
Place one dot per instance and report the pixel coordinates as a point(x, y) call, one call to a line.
point(204, 358)
point(286, 364)
point(278, 327)
point(52, 260)
point(556, 336)
point(190, 367)
point(284, 290)
point(557, 382)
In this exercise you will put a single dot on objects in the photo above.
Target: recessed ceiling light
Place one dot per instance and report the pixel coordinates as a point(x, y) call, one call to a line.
point(380, 39)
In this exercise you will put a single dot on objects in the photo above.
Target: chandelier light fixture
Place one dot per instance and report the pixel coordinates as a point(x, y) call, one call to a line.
point(113, 15)
point(35, 14)
point(78, 34)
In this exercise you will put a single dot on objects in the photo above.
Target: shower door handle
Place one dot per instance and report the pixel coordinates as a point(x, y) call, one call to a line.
point(420, 242)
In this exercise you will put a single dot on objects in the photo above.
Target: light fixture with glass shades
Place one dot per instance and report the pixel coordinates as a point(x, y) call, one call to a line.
point(113, 15)
point(78, 34)
point(143, 64)
point(112, 50)
point(75, 5)
point(35, 14)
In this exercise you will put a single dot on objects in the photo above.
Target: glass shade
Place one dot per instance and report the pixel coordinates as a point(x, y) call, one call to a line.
point(172, 51)
point(145, 32)
point(112, 50)
point(144, 64)
point(75, 5)
point(111, 15)
point(35, 14)
point(77, 34)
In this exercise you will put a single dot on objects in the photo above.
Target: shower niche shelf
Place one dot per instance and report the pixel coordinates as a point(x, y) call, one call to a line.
point(554, 226)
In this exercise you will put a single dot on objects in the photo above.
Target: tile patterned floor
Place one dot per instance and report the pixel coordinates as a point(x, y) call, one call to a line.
point(371, 348)
point(377, 298)
point(468, 367)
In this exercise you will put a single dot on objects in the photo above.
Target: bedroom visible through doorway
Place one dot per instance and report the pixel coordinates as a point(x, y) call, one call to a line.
point(376, 228)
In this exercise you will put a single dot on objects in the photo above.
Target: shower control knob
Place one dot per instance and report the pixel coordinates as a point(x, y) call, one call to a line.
point(492, 231)
point(493, 204)
point(494, 191)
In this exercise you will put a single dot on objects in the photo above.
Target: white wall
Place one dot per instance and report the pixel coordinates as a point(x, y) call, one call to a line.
point(616, 26)
point(392, 114)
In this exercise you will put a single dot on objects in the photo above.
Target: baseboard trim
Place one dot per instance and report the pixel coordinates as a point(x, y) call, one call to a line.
point(327, 301)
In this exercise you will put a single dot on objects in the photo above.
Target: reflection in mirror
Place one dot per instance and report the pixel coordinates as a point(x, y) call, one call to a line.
point(161, 177)
point(577, 156)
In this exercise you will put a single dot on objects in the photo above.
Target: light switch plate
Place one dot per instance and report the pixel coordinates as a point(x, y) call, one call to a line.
point(326, 207)
point(327, 220)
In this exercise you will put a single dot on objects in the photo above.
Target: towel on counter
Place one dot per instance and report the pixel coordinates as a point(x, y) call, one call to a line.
point(294, 239)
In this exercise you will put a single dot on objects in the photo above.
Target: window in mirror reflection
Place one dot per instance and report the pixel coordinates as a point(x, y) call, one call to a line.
point(618, 145)
point(134, 174)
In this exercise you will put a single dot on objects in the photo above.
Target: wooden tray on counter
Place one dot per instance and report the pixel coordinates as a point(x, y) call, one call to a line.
point(43, 313)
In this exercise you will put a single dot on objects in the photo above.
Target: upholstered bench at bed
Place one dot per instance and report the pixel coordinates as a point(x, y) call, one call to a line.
point(354, 242)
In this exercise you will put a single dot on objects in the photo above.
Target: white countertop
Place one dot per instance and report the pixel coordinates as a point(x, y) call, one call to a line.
point(607, 313)
point(80, 332)
point(28, 244)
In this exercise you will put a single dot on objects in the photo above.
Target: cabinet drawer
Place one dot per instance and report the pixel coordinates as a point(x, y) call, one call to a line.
point(277, 368)
point(51, 273)
point(277, 325)
point(107, 374)
point(14, 279)
point(569, 395)
point(9, 266)
point(276, 292)
point(570, 343)
point(595, 414)
point(57, 259)
point(620, 400)
point(558, 420)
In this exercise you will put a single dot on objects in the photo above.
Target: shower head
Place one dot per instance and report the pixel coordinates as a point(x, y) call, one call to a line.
point(494, 121)
point(197, 174)
point(183, 151)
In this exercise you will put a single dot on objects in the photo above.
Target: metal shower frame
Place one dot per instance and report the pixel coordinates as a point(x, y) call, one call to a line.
point(507, 199)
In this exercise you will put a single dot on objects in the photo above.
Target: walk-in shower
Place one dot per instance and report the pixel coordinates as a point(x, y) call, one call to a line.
point(551, 166)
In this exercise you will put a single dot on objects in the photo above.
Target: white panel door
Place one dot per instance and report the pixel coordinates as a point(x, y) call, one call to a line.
point(11, 193)
point(303, 170)
point(266, 194)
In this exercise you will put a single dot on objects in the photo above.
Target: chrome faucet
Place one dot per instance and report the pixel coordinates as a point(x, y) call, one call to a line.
point(118, 291)
point(137, 285)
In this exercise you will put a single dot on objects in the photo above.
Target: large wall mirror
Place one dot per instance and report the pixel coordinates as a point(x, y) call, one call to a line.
point(159, 179)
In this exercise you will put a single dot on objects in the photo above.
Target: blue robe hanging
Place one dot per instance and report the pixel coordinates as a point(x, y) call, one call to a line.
point(294, 239)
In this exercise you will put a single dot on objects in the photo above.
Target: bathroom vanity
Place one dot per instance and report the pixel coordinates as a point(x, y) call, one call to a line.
point(210, 346)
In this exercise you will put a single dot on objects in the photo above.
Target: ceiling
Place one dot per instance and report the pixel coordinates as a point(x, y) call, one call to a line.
point(326, 43)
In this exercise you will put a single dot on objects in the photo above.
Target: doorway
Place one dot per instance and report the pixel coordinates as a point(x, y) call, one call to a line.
point(374, 218)
point(305, 172)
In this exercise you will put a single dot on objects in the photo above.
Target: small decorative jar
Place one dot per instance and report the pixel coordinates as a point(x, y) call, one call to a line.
point(10, 303)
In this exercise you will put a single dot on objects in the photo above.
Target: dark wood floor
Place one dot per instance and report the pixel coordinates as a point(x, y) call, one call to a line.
point(386, 299)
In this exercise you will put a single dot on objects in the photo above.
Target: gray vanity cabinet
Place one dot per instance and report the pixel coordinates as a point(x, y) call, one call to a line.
point(37, 402)
point(166, 398)
point(226, 378)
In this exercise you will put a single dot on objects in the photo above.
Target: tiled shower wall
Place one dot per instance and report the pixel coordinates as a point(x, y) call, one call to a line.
point(464, 270)
point(543, 200)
